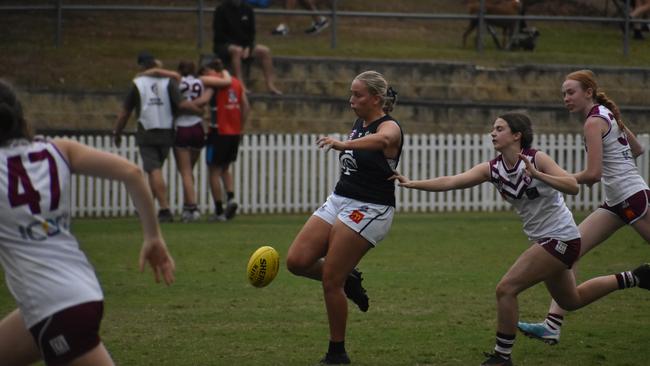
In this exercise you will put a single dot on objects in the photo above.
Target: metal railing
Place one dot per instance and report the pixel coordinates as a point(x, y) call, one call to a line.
point(200, 9)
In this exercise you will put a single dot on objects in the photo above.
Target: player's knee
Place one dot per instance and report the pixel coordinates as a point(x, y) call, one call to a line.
point(296, 264)
point(332, 282)
point(505, 289)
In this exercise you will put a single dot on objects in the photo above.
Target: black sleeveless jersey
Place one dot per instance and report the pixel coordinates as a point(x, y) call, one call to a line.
point(365, 173)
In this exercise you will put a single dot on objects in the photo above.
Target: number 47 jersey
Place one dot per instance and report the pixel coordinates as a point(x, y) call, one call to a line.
point(44, 268)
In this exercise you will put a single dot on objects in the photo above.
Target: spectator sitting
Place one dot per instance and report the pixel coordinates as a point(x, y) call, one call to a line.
point(234, 40)
point(641, 8)
point(318, 24)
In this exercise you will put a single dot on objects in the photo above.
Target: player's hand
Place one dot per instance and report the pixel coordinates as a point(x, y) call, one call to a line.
point(402, 181)
point(530, 168)
point(327, 143)
point(155, 253)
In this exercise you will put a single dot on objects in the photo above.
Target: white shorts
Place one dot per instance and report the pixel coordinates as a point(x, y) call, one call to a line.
point(370, 220)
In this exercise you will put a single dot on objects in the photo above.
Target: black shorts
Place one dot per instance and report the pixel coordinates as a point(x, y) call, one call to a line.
point(632, 208)
point(221, 51)
point(69, 334)
point(221, 150)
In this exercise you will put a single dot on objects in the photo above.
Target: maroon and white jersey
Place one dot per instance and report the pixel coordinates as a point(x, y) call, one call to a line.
point(191, 88)
point(620, 176)
point(44, 268)
point(541, 207)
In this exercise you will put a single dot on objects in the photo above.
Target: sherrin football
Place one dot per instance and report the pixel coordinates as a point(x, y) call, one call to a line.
point(263, 266)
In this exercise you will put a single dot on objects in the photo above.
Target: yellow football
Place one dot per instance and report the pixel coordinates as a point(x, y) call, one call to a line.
point(263, 266)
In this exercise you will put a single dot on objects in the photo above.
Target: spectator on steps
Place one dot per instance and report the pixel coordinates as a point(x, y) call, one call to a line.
point(234, 40)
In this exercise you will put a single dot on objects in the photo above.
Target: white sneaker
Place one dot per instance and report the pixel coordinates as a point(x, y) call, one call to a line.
point(280, 30)
point(540, 331)
point(217, 218)
point(190, 215)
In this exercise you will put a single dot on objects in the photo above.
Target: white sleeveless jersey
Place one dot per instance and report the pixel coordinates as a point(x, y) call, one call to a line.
point(45, 270)
point(155, 104)
point(541, 207)
point(620, 176)
point(191, 88)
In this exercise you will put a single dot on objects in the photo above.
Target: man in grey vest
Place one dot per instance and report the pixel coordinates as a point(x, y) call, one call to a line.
point(156, 101)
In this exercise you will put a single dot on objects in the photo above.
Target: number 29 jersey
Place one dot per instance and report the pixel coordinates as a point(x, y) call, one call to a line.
point(45, 269)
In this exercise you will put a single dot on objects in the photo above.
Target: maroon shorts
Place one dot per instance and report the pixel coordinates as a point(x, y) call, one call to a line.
point(69, 334)
point(566, 251)
point(191, 137)
point(632, 208)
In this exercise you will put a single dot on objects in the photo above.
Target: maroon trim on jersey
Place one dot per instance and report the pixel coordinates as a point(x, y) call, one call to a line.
point(61, 155)
point(595, 112)
point(501, 181)
point(531, 153)
point(632, 208)
point(505, 166)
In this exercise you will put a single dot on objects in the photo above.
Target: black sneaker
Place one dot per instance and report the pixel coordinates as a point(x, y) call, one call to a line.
point(318, 26)
point(355, 292)
point(165, 216)
point(642, 273)
point(335, 359)
point(638, 35)
point(231, 210)
point(496, 360)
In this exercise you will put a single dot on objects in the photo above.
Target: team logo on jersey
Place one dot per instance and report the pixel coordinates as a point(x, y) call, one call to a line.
point(59, 345)
point(560, 247)
point(40, 230)
point(155, 100)
point(356, 216)
point(623, 140)
point(232, 96)
point(629, 213)
point(532, 193)
point(348, 164)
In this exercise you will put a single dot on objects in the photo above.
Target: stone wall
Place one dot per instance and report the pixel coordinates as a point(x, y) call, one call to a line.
point(434, 97)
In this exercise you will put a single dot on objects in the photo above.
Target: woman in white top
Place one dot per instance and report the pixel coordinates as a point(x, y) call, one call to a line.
point(611, 150)
point(60, 302)
point(190, 133)
point(533, 183)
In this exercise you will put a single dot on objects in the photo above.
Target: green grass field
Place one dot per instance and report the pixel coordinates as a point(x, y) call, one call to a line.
point(431, 284)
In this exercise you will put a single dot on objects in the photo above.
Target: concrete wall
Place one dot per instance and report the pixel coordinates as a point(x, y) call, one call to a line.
point(434, 97)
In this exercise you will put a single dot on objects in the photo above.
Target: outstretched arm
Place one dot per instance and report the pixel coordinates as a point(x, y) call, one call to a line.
point(551, 173)
point(88, 161)
point(475, 176)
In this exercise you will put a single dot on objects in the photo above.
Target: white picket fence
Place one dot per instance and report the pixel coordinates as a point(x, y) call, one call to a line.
point(287, 173)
